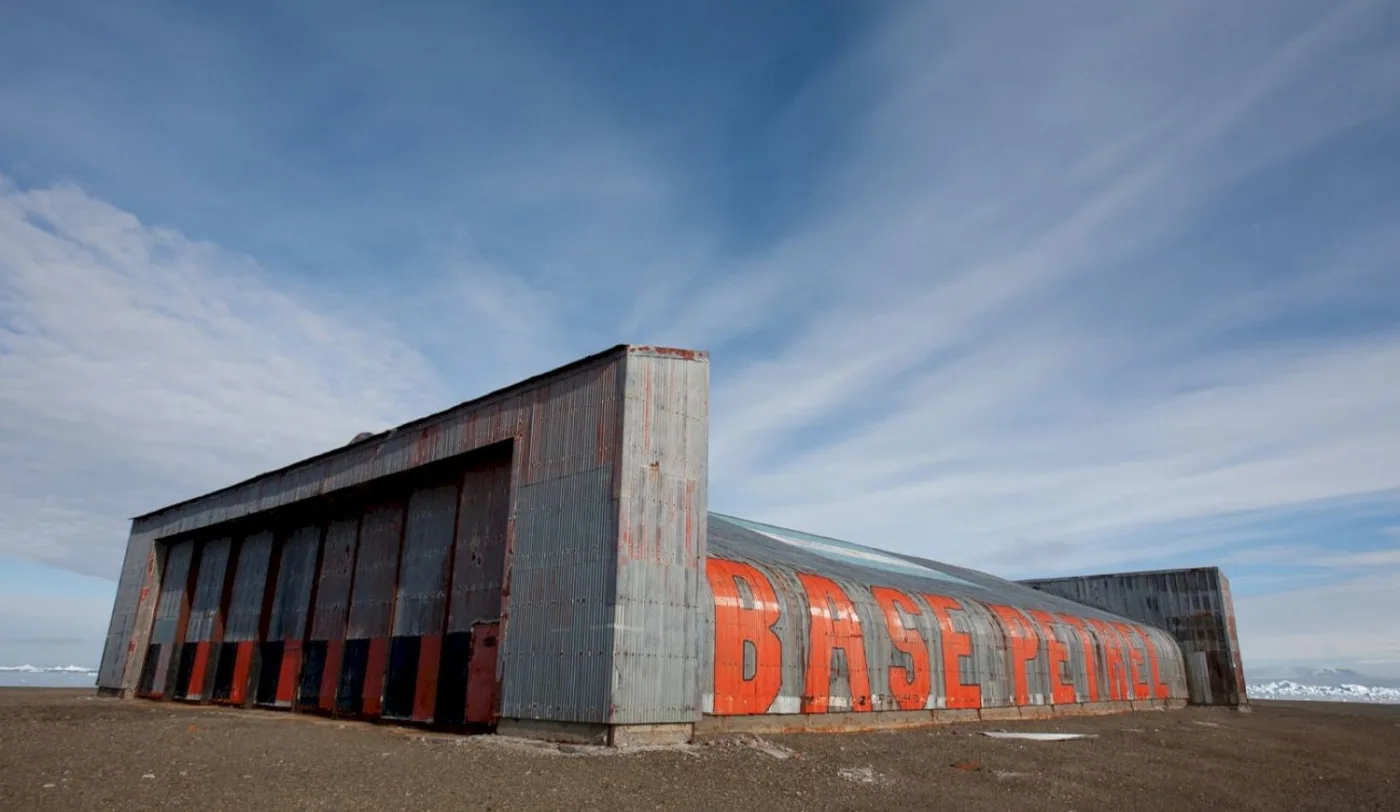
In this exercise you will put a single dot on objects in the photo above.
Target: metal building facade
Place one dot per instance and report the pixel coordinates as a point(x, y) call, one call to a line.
point(543, 559)
point(541, 547)
point(804, 631)
point(1194, 605)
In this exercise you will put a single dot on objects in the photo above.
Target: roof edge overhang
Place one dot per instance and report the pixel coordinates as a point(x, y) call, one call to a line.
point(505, 391)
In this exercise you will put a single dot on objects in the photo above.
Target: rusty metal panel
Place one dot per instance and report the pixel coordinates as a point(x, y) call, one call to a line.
point(376, 573)
point(1193, 605)
point(555, 655)
point(209, 590)
point(291, 602)
point(493, 418)
point(570, 413)
point(427, 554)
point(138, 565)
point(172, 592)
point(480, 550)
point(662, 516)
point(841, 627)
point(557, 648)
point(337, 572)
point(249, 582)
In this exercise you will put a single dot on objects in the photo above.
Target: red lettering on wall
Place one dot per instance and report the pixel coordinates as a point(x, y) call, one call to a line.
point(956, 645)
point(834, 625)
point(1113, 660)
point(1141, 690)
point(738, 626)
point(1061, 691)
point(1159, 687)
point(1091, 659)
point(1024, 644)
point(910, 685)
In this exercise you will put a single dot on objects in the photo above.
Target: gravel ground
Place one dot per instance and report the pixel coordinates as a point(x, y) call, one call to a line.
point(71, 750)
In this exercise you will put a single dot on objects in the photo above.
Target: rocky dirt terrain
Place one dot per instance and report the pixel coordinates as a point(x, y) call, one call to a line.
point(63, 749)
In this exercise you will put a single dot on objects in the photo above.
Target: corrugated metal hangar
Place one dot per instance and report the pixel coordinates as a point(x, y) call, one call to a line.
point(542, 560)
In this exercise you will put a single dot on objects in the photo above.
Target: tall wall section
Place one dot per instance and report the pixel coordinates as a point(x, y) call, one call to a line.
point(526, 557)
point(1194, 605)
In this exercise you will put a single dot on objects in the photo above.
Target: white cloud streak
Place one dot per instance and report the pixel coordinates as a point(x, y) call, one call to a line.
point(1052, 300)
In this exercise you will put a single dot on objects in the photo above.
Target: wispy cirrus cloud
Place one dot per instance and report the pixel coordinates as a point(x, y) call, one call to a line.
point(1038, 290)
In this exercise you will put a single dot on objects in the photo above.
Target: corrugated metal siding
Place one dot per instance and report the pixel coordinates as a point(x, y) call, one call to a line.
point(565, 430)
point(139, 577)
point(480, 550)
point(296, 574)
point(1188, 604)
point(172, 592)
point(906, 643)
point(337, 573)
point(376, 573)
point(427, 555)
point(556, 651)
point(249, 583)
point(661, 542)
point(209, 590)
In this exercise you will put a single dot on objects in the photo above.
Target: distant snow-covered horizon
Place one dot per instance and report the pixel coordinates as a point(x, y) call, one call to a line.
point(53, 669)
point(1288, 689)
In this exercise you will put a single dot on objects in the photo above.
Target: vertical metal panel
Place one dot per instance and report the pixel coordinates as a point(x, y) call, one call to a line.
point(209, 590)
point(556, 648)
point(427, 550)
point(479, 558)
point(172, 592)
point(558, 651)
point(291, 602)
point(249, 582)
point(376, 573)
point(137, 564)
point(337, 572)
point(662, 516)
point(1189, 604)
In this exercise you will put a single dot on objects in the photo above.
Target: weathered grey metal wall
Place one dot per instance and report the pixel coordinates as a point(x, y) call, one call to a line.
point(209, 590)
point(539, 569)
point(245, 608)
point(800, 624)
point(556, 656)
point(333, 587)
point(660, 551)
point(296, 574)
point(480, 550)
point(1192, 604)
point(172, 607)
point(524, 414)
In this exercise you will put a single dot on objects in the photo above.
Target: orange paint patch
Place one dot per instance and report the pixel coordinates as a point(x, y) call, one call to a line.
point(908, 685)
point(833, 625)
point(242, 667)
point(1114, 663)
point(330, 676)
point(375, 664)
point(288, 674)
point(1141, 690)
point(425, 687)
point(1061, 683)
point(1024, 644)
point(195, 690)
point(1091, 659)
point(738, 627)
point(956, 645)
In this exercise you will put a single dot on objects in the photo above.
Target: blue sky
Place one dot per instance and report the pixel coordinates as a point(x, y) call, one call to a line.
point(1032, 288)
